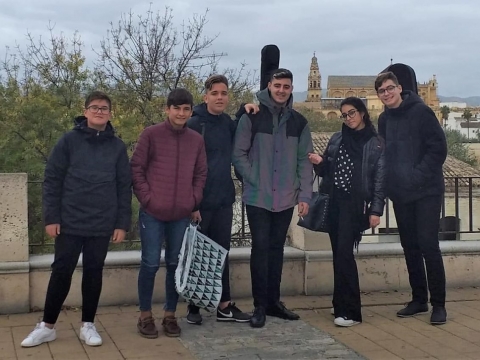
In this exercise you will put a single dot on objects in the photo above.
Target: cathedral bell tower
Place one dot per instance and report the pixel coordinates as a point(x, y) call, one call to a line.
point(314, 82)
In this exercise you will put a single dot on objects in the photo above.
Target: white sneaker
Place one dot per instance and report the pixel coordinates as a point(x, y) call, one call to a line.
point(342, 321)
point(89, 334)
point(332, 311)
point(39, 335)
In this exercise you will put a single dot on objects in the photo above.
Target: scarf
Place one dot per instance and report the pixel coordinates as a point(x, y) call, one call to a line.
point(354, 142)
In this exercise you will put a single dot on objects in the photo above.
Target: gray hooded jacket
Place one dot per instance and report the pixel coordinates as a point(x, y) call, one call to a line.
point(271, 154)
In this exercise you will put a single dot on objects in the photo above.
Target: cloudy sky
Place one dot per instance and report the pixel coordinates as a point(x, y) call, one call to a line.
point(350, 37)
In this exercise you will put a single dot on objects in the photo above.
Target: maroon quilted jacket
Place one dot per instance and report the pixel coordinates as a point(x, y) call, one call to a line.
point(169, 170)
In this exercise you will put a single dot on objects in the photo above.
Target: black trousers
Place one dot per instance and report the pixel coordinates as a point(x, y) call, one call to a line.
point(217, 225)
point(269, 232)
point(418, 225)
point(67, 251)
point(346, 290)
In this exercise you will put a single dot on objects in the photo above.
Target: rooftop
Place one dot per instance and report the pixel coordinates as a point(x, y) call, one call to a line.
point(351, 81)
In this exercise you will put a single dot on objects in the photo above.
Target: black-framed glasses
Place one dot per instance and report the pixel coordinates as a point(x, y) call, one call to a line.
point(95, 109)
point(351, 114)
point(388, 89)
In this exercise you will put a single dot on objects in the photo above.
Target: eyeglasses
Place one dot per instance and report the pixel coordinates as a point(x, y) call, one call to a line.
point(388, 89)
point(95, 109)
point(351, 114)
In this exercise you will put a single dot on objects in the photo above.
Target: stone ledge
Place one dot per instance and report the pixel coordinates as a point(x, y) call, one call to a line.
point(395, 249)
point(132, 258)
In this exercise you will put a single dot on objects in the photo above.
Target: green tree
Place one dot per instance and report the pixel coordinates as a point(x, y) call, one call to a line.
point(318, 122)
point(445, 110)
point(467, 115)
point(457, 147)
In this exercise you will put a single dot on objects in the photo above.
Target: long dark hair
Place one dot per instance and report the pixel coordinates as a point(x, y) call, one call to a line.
point(359, 105)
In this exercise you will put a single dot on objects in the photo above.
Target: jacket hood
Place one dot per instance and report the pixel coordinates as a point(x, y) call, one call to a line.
point(265, 98)
point(80, 124)
point(409, 100)
point(200, 110)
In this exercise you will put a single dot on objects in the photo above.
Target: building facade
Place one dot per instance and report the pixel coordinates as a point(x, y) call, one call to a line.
point(362, 86)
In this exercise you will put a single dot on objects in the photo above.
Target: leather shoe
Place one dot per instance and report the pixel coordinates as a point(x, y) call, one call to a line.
point(279, 310)
point(439, 315)
point(413, 308)
point(258, 318)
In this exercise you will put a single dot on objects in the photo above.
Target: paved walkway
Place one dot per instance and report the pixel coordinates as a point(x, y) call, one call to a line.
point(382, 336)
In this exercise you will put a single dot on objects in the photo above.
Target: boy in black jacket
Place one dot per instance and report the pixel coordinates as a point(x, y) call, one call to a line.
point(86, 203)
point(216, 208)
point(416, 149)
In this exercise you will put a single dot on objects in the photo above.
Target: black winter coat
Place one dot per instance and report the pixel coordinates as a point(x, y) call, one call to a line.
point(415, 151)
point(87, 185)
point(218, 132)
point(373, 171)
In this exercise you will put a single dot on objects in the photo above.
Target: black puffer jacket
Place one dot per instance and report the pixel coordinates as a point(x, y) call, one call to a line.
point(87, 185)
point(415, 151)
point(373, 171)
point(218, 132)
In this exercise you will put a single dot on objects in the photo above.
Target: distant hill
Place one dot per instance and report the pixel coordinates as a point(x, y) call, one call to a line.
point(300, 96)
point(471, 100)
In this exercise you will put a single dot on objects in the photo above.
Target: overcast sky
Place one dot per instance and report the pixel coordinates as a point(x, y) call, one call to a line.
point(350, 37)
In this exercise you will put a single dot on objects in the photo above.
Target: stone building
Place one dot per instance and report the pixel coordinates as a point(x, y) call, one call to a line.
point(362, 86)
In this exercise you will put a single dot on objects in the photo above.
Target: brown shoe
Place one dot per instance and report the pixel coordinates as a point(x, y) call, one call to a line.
point(170, 327)
point(147, 328)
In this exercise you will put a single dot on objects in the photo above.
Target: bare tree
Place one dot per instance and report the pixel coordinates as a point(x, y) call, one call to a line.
point(147, 56)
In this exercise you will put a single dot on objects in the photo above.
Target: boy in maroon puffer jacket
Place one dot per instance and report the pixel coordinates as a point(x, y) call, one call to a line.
point(169, 170)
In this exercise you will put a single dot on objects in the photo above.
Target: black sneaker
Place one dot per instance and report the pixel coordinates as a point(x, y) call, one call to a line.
point(439, 315)
point(232, 313)
point(413, 308)
point(279, 310)
point(193, 315)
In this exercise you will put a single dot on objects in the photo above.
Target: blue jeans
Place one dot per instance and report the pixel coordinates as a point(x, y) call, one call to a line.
point(152, 234)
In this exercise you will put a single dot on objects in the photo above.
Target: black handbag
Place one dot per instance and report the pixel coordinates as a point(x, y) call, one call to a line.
point(317, 217)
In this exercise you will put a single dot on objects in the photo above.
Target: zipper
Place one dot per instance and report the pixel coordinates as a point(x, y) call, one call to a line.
point(177, 169)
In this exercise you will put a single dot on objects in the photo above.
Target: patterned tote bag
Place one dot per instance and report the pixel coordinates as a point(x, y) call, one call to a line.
point(198, 277)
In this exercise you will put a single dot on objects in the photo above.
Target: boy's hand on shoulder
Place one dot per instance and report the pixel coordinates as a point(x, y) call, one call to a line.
point(251, 108)
point(118, 236)
point(53, 230)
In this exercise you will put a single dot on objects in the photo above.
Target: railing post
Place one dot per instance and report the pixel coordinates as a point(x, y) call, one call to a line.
point(14, 255)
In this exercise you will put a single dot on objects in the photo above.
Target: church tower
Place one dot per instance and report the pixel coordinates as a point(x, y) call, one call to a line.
point(314, 82)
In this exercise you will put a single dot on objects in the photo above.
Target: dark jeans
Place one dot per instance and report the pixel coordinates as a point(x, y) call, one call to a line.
point(67, 251)
point(269, 232)
point(217, 225)
point(346, 290)
point(418, 225)
point(153, 233)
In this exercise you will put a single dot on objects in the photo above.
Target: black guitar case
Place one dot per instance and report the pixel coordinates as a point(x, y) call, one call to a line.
point(406, 76)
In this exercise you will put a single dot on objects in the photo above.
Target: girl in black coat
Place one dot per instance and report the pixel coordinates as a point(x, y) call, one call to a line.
point(353, 174)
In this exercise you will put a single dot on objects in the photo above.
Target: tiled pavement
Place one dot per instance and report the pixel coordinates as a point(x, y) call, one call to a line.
point(381, 336)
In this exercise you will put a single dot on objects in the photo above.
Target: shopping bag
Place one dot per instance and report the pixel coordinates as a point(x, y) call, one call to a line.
point(198, 277)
